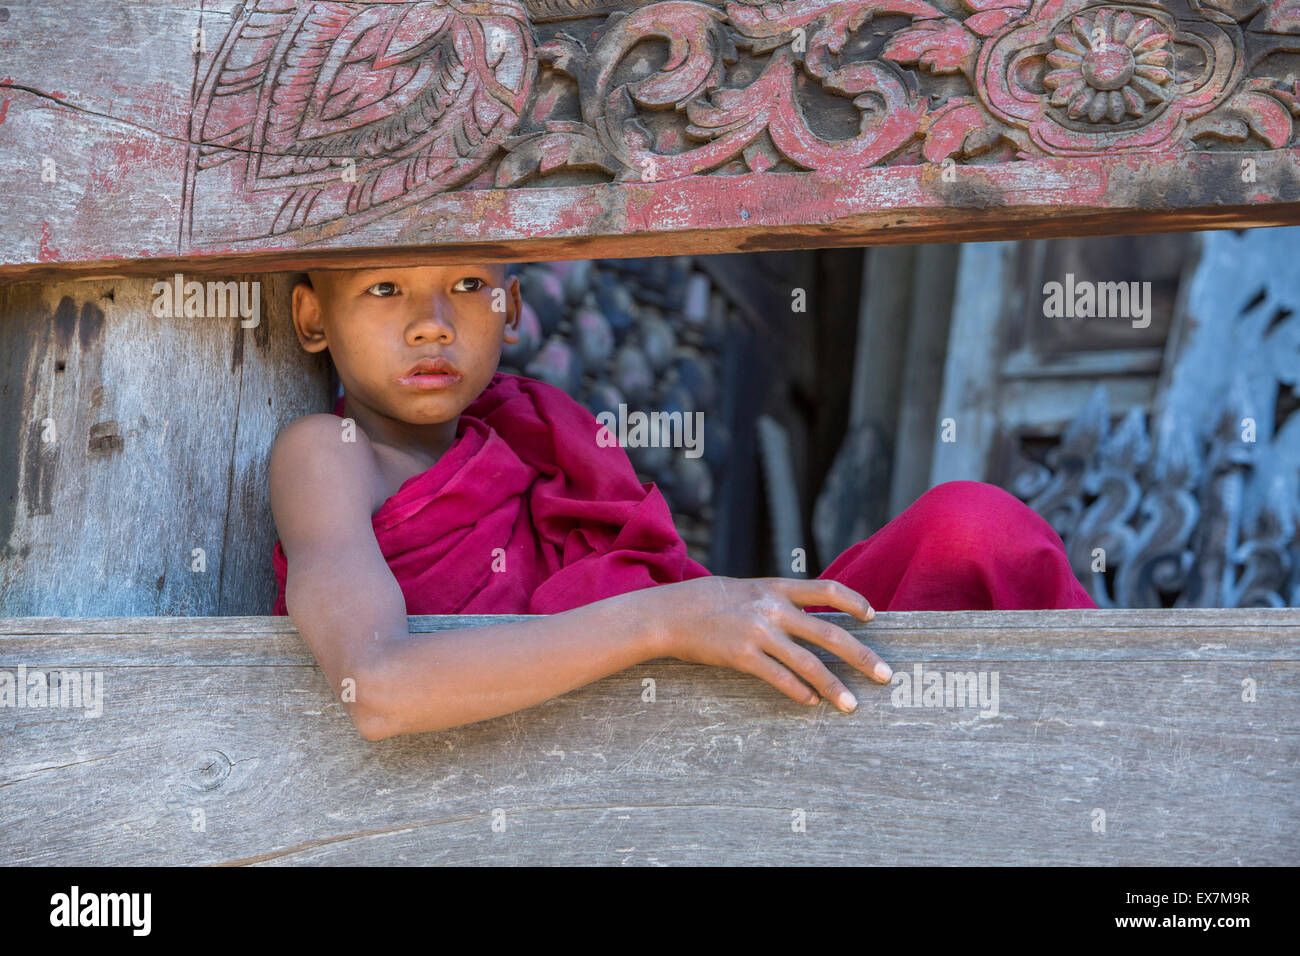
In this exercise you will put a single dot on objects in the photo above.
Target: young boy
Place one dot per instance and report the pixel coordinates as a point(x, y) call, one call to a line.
point(447, 487)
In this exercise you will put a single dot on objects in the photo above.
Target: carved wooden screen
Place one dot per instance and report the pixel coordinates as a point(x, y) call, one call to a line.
point(252, 135)
point(1198, 503)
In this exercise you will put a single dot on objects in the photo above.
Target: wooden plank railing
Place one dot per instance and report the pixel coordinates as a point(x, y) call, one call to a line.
point(1114, 737)
point(261, 136)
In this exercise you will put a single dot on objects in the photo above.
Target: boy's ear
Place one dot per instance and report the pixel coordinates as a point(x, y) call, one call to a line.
point(514, 311)
point(308, 317)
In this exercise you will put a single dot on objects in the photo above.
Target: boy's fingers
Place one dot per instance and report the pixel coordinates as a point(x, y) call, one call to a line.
point(763, 667)
point(839, 642)
point(824, 591)
point(810, 667)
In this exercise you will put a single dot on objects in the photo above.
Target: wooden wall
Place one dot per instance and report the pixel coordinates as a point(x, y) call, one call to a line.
point(129, 440)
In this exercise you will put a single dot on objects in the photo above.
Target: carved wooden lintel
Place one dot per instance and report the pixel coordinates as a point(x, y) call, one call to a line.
point(272, 134)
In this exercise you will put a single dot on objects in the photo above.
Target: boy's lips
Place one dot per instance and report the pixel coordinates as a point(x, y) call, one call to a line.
point(430, 374)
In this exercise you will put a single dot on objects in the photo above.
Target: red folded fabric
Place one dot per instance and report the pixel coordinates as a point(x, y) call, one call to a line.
point(525, 487)
point(962, 546)
point(527, 514)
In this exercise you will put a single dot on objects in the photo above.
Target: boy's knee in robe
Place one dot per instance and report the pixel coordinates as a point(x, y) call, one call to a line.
point(977, 519)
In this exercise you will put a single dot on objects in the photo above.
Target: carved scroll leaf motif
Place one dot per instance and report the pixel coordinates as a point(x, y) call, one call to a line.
point(417, 96)
point(1110, 467)
point(1160, 560)
point(1258, 108)
point(939, 46)
point(1218, 523)
point(728, 120)
point(422, 95)
point(1103, 530)
point(891, 112)
point(1060, 501)
point(990, 16)
point(611, 136)
point(959, 126)
point(1265, 557)
point(1243, 353)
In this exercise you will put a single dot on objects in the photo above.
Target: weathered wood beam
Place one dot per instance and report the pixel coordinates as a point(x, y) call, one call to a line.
point(274, 135)
point(1179, 726)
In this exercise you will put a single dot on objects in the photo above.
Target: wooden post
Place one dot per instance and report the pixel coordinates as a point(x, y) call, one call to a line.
point(921, 384)
point(968, 409)
point(137, 482)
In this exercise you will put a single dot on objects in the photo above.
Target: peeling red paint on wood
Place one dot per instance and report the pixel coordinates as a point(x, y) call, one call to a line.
point(530, 129)
point(47, 252)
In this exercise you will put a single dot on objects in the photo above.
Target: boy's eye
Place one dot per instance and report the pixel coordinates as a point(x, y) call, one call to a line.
point(387, 289)
point(477, 284)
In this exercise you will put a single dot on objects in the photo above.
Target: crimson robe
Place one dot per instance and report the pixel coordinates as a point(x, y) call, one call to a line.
point(526, 513)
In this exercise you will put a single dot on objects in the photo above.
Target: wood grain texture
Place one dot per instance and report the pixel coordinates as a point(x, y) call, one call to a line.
point(1139, 714)
point(268, 135)
point(159, 434)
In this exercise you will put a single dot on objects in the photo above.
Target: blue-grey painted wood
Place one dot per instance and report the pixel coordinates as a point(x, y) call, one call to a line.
point(970, 401)
point(1199, 505)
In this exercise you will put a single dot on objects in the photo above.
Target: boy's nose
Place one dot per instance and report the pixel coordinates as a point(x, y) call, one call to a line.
point(431, 325)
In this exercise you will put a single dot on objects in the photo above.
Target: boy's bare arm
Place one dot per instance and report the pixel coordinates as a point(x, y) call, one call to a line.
point(347, 605)
point(748, 624)
point(350, 610)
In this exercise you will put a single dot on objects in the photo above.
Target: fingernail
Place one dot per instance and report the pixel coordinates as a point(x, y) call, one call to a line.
point(883, 672)
point(846, 701)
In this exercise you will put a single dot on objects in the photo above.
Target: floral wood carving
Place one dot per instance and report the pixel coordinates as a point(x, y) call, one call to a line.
point(346, 112)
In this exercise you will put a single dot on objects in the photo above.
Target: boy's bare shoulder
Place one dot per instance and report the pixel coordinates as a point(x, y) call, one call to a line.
point(322, 436)
point(316, 459)
point(317, 428)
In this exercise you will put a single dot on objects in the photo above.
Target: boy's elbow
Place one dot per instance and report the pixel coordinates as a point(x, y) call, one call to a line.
point(367, 704)
point(372, 726)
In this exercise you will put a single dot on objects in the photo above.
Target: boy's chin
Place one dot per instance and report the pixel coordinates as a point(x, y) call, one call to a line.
point(434, 409)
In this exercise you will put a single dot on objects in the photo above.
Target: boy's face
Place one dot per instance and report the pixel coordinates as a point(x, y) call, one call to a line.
point(378, 323)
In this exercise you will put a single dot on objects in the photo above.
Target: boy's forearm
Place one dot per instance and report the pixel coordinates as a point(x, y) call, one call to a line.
point(433, 681)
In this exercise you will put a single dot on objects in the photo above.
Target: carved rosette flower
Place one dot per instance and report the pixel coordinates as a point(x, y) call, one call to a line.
point(1110, 66)
point(1077, 77)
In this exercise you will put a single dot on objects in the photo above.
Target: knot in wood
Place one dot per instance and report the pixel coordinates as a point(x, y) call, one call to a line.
point(208, 770)
point(105, 438)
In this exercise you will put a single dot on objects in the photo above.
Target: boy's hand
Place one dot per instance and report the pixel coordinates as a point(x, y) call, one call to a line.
point(748, 624)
